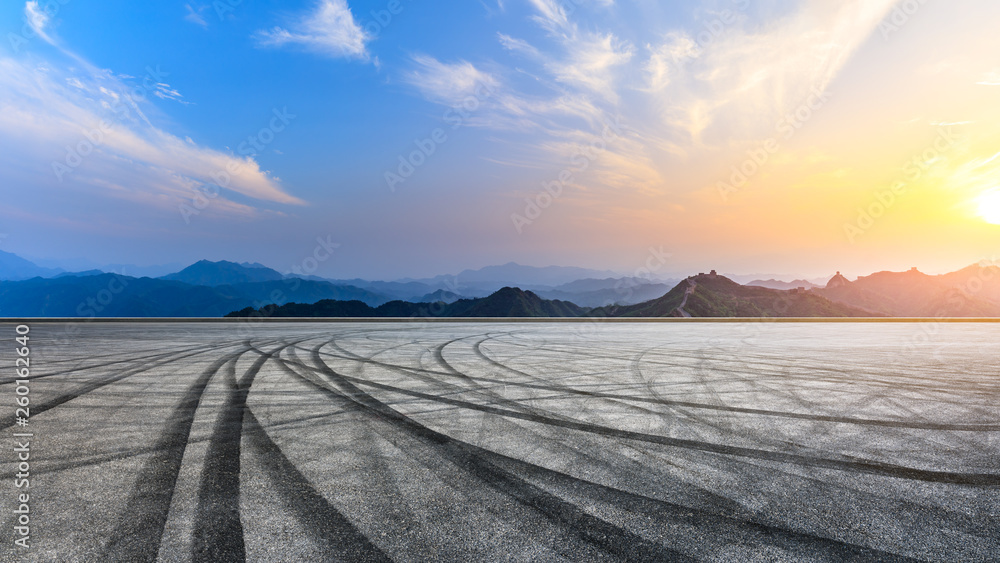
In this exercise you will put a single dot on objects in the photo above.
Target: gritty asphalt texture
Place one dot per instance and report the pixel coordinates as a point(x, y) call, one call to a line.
point(511, 441)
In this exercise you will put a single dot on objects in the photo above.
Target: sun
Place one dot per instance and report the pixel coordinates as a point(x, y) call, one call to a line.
point(989, 206)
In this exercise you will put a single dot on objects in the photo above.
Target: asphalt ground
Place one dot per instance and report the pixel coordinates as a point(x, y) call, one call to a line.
point(505, 442)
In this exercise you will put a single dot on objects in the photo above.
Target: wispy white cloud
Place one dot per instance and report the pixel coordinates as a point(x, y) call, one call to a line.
point(40, 117)
point(991, 78)
point(329, 29)
point(590, 63)
point(677, 97)
point(38, 19)
point(743, 74)
point(166, 92)
point(448, 83)
point(88, 129)
point(519, 46)
point(551, 16)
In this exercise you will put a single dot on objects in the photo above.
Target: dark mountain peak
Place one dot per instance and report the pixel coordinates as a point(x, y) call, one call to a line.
point(712, 295)
point(223, 272)
point(508, 292)
point(837, 281)
point(506, 302)
point(514, 302)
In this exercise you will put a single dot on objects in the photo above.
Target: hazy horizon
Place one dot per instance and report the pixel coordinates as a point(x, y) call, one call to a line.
point(662, 274)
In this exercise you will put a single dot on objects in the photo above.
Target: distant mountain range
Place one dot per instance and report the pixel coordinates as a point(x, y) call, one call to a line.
point(585, 287)
point(524, 275)
point(507, 302)
point(710, 295)
point(204, 289)
point(970, 292)
point(213, 289)
point(13, 267)
point(778, 284)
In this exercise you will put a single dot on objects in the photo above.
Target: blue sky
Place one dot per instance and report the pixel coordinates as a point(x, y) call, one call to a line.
point(247, 130)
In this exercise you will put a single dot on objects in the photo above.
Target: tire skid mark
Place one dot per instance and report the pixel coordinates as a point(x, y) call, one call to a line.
point(324, 524)
point(131, 360)
point(706, 495)
point(478, 388)
point(704, 520)
point(495, 398)
point(473, 459)
point(218, 531)
point(726, 408)
point(837, 375)
point(94, 385)
point(779, 386)
point(321, 521)
point(565, 389)
point(441, 446)
point(218, 528)
point(857, 466)
point(424, 374)
point(475, 384)
point(137, 535)
point(92, 461)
